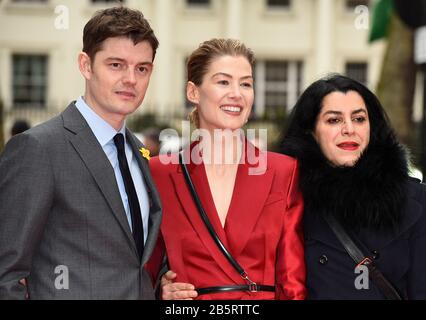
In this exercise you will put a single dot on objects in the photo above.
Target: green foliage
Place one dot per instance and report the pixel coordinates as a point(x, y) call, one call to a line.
point(382, 12)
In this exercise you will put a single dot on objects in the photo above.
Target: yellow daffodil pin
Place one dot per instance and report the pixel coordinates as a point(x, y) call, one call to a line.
point(145, 153)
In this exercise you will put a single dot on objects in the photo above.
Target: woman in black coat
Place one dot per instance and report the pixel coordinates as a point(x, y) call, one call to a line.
point(353, 169)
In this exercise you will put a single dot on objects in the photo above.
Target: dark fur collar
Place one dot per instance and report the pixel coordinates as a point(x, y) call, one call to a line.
point(370, 194)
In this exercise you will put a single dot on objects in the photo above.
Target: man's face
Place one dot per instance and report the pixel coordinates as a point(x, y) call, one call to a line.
point(117, 78)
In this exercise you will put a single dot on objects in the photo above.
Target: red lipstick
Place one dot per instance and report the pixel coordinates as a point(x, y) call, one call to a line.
point(348, 145)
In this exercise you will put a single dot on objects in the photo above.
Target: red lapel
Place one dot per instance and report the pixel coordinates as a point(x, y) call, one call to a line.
point(199, 178)
point(252, 187)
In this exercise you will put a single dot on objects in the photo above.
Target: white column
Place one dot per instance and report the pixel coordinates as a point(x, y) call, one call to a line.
point(260, 88)
point(234, 19)
point(418, 98)
point(6, 77)
point(6, 87)
point(291, 85)
point(324, 48)
point(375, 62)
point(162, 64)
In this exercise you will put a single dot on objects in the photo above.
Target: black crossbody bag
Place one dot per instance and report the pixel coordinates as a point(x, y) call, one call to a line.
point(251, 285)
point(356, 254)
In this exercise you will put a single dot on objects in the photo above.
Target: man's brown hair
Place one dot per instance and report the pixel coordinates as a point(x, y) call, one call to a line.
point(117, 22)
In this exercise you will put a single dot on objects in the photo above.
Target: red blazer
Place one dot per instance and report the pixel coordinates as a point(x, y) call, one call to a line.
point(262, 229)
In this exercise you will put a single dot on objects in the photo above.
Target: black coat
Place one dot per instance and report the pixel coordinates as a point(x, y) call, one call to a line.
point(401, 256)
point(382, 209)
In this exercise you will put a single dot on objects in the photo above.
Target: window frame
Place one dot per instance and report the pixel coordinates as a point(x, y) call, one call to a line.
point(351, 8)
point(291, 85)
point(278, 7)
point(355, 63)
point(30, 81)
point(207, 5)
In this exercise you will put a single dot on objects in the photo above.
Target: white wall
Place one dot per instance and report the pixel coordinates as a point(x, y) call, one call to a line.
point(321, 33)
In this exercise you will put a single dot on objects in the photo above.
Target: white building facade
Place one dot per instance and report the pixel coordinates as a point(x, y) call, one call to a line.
point(295, 42)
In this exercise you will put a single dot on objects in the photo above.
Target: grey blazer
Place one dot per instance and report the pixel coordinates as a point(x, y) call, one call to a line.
point(62, 221)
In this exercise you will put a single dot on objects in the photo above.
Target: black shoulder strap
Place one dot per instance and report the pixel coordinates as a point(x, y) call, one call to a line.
point(360, 259)
point(208, 224)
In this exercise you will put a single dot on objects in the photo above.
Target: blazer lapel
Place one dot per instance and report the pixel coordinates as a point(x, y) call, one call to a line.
point(155, 212)
point(91, 153)
point(249, 196)
point(189, 208)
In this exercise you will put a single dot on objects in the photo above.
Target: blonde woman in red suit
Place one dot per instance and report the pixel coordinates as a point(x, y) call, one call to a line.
point(250, 197)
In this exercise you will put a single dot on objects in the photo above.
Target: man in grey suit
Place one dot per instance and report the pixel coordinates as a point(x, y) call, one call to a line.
point(79, 213)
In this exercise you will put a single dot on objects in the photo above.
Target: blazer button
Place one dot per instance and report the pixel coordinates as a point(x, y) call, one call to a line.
point(323, 260)
point(376, 254)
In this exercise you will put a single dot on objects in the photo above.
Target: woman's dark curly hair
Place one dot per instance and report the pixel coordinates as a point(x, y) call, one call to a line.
point(304, 115)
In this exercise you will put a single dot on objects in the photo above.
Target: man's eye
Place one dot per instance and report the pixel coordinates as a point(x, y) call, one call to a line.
point(115, 65)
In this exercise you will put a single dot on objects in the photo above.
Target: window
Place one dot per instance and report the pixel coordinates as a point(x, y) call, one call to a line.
point(357, 71)
point(107, 1)
point(198, 2)
point(352, 4)
point(278, 85)
point(29, 1)
point(29, 80)
point(278, 4)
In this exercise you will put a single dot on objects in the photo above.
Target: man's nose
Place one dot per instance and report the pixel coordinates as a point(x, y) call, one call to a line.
point(129, 76)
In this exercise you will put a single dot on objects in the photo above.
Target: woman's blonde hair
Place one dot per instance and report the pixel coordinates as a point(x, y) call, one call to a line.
point(200, 60)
